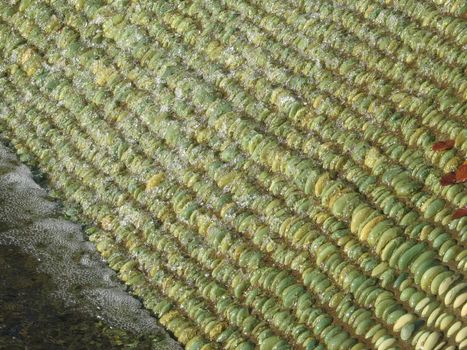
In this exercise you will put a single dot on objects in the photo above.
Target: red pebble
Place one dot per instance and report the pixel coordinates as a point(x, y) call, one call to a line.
point(459, 213)
point(448, 179)
point(443, 145)
point(461, 173)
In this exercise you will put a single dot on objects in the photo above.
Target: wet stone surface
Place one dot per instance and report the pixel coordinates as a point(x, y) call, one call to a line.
point(55, 292)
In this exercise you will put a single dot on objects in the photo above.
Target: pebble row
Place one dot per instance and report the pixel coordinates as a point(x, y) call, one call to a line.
point(257, 179)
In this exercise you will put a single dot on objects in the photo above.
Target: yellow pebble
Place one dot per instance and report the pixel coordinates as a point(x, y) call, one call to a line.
point(155, 181)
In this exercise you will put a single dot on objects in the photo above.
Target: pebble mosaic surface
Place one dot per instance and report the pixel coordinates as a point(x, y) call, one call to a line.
point(263, 174)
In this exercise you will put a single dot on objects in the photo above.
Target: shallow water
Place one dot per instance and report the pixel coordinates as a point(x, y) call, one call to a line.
point(55, 292)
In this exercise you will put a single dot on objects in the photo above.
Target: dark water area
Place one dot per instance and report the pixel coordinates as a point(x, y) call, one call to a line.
point(55, 291)
point(31, 319)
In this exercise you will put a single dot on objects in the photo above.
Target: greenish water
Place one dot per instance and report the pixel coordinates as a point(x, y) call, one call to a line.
point(55, 292)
